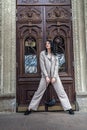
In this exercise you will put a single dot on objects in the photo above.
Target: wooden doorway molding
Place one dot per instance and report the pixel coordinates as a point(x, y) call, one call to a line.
point(38, 20)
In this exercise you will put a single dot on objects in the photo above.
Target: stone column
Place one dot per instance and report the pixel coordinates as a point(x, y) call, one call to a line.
point(82, 45)
point(79, 42)
point(85, 13)
point(0, 41)
point(8, 52)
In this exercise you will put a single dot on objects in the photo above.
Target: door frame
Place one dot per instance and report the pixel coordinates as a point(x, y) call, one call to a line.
point(60, 76)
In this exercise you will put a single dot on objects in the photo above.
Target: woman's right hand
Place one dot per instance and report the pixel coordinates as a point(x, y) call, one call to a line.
point(48, 80)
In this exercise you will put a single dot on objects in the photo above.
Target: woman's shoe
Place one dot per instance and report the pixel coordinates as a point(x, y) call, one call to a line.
point(71, 111)
point(27, 112)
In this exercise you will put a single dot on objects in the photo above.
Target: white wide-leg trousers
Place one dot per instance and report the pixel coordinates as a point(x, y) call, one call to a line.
point(41, 89)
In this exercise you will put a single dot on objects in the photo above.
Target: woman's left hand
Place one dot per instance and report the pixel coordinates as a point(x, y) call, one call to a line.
point(53, 80)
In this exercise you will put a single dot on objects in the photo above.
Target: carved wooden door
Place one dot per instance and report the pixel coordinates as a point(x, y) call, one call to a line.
point(38, 20)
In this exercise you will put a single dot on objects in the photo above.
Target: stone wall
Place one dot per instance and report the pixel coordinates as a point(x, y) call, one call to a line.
point(0, 41)
point(8, 54)
point(79, 42)
point(85, 14)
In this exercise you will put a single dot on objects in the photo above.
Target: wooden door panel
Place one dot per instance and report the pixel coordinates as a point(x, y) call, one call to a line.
point(37, 21)
point(27, 92)
point(29, 39)
point(58, 28)
point(29, 30)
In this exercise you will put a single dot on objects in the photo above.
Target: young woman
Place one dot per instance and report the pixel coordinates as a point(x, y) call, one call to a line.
point(49, 72)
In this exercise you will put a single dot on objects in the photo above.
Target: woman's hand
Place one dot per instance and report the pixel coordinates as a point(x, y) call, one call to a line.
point(48, 80)
point(53, 80)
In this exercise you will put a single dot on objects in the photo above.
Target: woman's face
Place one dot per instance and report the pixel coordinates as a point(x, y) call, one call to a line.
point(48, 45)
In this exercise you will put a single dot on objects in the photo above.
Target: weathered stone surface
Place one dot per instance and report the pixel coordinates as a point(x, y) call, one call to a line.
point(80, 54)
point(0, 42)
point(8, 105)
point(8, 50)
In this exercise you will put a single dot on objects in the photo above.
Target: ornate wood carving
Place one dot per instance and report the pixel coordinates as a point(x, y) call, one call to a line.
point(28, 25)
point(58, 21)
point(58, 14)
point(26, 30)
point(29, 15)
